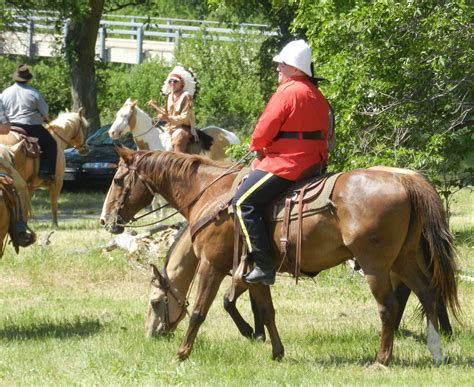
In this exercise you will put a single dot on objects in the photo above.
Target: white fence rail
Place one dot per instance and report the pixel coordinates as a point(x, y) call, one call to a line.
point(125, 39)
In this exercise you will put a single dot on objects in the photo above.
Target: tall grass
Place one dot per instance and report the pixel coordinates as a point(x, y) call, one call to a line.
point(72, 313)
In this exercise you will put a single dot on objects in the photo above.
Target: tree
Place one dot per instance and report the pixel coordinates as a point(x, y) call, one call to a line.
point(400, 81)
point(81, 19)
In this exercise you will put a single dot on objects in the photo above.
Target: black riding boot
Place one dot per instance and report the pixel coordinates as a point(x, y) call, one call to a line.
point(263, 271)
point(20, 235)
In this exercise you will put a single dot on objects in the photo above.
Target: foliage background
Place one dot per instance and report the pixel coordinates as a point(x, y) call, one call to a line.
point(399, 76)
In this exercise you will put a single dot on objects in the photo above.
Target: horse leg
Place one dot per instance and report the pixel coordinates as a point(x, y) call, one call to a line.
point(412, 275)
point(231, 308)
point(54, 189)
point(381, 289)
point(209, 282)
point(263, 300)
point(402, 292)
point(259, 327)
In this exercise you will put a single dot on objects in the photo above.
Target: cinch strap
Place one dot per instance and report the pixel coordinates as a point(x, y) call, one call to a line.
point(318, 135)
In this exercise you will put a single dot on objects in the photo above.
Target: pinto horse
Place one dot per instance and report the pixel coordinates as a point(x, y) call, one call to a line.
point(148, 137)
point(393, 224)
point(68, 130)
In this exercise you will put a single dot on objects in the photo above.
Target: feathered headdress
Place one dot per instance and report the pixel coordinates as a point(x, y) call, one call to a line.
point(186, 75)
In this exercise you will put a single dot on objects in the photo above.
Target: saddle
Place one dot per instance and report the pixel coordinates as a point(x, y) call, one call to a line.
point(30, 144)
point(10, 196)
point(304, 198)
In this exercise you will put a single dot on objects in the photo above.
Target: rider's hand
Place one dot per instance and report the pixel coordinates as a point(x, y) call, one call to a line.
point(163, 117)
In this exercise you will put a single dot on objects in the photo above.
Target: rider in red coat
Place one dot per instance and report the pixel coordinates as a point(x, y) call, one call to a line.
point(290, 141)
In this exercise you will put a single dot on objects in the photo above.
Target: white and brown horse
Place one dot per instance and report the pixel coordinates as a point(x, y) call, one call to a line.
point(67, 130)
point(130, 118)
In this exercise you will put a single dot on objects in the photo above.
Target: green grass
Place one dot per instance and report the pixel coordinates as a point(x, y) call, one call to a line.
point(71, 313)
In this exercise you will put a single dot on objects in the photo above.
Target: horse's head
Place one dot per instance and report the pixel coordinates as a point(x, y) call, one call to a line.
point(124, 120)
point(166, 308)
point(70, 127)
point(129, 192)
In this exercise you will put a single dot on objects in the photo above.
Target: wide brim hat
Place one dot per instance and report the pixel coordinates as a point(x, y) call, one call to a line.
point(22, 74)
point(182, 74)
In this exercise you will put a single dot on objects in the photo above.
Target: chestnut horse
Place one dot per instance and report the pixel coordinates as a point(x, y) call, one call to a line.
point(393, 224)
point(68, 130)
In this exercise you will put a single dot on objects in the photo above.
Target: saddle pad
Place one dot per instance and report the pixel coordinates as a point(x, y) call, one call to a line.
point(320, 203)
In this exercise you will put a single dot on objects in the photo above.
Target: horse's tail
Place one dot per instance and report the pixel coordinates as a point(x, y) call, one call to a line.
point(437, 241)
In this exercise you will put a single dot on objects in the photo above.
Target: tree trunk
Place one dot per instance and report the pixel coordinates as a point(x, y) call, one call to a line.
point(81, 39)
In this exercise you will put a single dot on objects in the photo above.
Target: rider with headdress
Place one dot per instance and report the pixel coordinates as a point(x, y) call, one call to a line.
point(178, 89)
point(8, 174)
point(27, 109)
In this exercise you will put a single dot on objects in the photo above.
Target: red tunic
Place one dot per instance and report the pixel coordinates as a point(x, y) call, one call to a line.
point(296, 106)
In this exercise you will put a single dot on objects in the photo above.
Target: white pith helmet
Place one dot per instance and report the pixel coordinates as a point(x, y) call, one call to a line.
point(297, 54)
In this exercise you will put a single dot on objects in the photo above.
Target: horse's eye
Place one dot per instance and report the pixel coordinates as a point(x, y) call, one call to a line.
point(118, 181)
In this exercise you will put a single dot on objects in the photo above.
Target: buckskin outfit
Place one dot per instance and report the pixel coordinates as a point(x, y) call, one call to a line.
point(178, 89)
point(27, 109)
point(290, 138)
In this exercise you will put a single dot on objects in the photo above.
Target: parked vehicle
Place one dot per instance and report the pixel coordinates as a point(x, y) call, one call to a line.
point(97, 167)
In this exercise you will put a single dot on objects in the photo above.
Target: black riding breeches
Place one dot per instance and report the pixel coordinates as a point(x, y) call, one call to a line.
point(47, 144)
point(256, 192)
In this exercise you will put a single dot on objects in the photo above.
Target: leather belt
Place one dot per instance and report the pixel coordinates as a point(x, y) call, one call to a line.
point(318, 135)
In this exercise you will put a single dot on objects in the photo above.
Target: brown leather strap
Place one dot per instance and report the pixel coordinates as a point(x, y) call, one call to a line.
point(285, 227)
point(235, 260)
point(196, 227)
point(299, 235)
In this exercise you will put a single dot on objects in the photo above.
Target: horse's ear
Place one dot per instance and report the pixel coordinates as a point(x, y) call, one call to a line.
point(125, 153)
point(134, 103)
point(80, 111)
point(156, 274)
point(67, 110)
point(129, 100)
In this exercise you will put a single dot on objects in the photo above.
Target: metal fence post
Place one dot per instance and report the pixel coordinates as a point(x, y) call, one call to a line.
point(102, 47)
point(30, 49)
point(133, 36)
point(140, 33)
point(177, 39)
point(168, 30)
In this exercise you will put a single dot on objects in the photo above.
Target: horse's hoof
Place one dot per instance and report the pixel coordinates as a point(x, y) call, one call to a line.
point(278, 356)
point(378, 367)
point(259, 338)
point(182, 356)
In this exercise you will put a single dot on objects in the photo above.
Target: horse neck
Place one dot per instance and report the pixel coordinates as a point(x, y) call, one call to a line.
point(180, 191)
point(181, 266)
point(145, 135)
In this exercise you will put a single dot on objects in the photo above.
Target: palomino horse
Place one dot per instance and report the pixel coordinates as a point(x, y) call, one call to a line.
point(168, 298)
point(68, 130)
point(148, 137)
point(392, 224)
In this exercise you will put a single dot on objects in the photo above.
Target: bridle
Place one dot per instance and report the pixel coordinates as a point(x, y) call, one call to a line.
point(80, 128)
point(164, 285)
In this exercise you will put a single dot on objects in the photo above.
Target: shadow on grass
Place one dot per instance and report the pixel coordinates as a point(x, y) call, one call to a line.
point(80, 327)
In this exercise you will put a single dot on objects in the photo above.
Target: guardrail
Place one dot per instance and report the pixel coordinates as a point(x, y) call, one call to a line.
point(148, 37)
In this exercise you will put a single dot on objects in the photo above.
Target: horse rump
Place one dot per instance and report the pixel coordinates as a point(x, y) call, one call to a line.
point(205, 139)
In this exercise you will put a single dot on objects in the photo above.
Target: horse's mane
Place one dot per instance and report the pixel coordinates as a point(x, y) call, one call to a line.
point(157, 164)
point(66, 121)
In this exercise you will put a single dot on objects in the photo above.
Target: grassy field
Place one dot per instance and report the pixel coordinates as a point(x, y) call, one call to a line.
point(71, 313)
